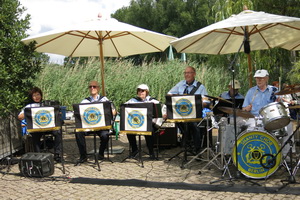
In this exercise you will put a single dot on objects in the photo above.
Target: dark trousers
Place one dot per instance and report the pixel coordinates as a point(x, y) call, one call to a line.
point(133, 142)
point(36, 141)
point(192, 134)
point(81, 143)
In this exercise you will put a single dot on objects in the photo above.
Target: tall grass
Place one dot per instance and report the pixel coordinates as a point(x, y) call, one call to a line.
point(69, 85)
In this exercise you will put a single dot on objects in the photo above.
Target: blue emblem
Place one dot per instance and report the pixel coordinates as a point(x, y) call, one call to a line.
point(183, 107)
point(92, 115)
point(135, 119)
point(43, 118)
point(251, 148)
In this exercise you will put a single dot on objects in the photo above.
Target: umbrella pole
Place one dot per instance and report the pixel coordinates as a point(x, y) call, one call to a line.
point(250, 70)
point(102, 67)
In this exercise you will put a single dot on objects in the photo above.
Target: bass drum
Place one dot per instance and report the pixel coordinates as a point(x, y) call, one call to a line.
point(255, 150)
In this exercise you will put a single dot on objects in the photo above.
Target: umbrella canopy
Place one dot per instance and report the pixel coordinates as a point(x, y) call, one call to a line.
point(263, 30)
point(100, 37)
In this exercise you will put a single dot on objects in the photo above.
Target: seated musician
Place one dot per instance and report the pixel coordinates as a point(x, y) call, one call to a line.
point(36, 97)
point(228, 95)
point(142, 97)
point(260, 95)
point(232, 92)
point(191, 86)
point(290, 100)
point(103, 134)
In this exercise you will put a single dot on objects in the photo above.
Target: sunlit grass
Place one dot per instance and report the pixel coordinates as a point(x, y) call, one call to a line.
point(68, 85)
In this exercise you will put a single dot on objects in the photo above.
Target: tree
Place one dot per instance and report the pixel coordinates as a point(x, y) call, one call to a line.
point(18, 63)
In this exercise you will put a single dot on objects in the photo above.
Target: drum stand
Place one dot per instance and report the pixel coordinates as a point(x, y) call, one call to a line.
point(292, 172)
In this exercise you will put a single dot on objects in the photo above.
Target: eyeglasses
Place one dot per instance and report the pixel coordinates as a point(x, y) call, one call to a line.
point(140, 90)
point(93, 86)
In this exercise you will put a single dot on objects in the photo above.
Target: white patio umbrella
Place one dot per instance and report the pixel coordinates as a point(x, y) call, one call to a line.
point(263, 30)
point(100, 37)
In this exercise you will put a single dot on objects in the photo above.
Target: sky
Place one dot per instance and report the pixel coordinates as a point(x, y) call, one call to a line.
point(47, 15)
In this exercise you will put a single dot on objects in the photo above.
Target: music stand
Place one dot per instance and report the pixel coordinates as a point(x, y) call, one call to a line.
point(45, 119)
point(93, 117)
point(136, 118)
point(184, 109)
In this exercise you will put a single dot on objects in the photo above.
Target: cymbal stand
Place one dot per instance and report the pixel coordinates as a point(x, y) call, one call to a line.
point(298, 163)
point(272, 161)
point(226, 169)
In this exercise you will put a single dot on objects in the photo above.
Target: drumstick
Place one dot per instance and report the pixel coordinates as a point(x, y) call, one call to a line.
point(253, 98)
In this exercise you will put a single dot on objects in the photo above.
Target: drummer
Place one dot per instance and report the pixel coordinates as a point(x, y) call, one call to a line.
point(260, 95)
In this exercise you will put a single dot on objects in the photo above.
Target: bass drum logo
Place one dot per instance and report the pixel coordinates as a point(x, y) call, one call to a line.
point(43, 118)
point(135, 119)
point(92, 115)
point(184, 107)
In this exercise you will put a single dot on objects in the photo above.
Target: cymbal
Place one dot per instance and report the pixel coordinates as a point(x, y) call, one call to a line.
point(288, 91)
point(293, 86)
point(218, 98)
point(294, 107)
point(239, 112)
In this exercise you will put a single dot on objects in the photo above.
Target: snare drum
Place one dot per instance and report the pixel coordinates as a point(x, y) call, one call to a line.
point(252, 146)
point(275, 116)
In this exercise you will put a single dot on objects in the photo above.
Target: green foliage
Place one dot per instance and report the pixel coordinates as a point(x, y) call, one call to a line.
point(17, 63)
point(69, 84)
point(294, 75)
point(181, 17)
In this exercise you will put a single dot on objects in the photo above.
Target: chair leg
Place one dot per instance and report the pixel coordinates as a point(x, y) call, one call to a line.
point(140, 151)
point(62, 152)
point(95, 153)
point(109, 146)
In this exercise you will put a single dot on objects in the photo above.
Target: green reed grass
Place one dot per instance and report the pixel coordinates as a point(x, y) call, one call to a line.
point(69, 85)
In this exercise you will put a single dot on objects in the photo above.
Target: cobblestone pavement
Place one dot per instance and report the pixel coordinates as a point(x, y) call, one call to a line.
point(158, 179)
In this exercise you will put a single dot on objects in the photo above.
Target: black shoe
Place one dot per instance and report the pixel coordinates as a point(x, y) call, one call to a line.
point(152, 157)
point(134, 154)
point(57, 158)
point(82, 159)
point(100, 157)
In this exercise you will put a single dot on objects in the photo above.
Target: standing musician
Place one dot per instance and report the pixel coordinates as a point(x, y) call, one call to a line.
point(103, 134)
point(190, 86)
point(142, 97)
point(261, 94)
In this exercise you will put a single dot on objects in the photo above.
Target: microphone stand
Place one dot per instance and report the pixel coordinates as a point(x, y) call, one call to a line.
point(246, 45)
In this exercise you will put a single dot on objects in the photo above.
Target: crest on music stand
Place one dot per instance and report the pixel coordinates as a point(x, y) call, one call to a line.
point(93, 116)
point(40, 119)
point(136, 118)
point(184, 108)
